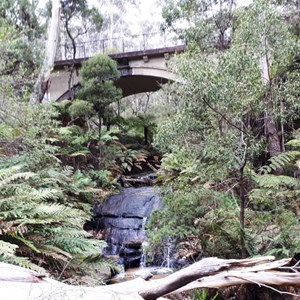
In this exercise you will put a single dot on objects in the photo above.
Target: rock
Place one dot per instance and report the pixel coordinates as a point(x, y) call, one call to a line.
point(121, 220)
point(131, 202)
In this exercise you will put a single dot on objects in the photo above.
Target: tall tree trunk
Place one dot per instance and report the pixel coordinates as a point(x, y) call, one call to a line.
point(42, 82)
point(99, 138)
point(146, 131)
point(272, 136)
point(72, 67)
point(242, 212)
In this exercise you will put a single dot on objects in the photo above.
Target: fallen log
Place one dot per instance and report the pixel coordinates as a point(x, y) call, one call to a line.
point(204, 268)
point(13, 273)
point(19, 284)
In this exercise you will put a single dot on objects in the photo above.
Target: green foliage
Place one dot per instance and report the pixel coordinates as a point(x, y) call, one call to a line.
point(104, 178)
point(143, 125)
point(20, 59)
point(275, 204)
point(74, 10)
point(23, 15)
point(177, 163)
point(217, 136)
point(195, 212)
point(80, 108)
point(46, 195)
point(78, 20)
point(7, 254)
point(98, 89)
point(208, 27)
point(39, 219)
point(44, 204)
point(98, 74)
point(281, 160)
point(203, 294)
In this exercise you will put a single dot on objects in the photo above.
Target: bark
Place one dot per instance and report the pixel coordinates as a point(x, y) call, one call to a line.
point(20, 284)
point(242, 214)
point(99, 138)
point(203, 268)
point(72, 66)
point(42, 82)
point(146, 135)
point(271, 132)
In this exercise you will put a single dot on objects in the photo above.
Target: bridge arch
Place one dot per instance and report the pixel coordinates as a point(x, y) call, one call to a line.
point(141, 71)
point(144, 79)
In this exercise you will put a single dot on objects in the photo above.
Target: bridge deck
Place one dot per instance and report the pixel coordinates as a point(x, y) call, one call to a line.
point(126, 55)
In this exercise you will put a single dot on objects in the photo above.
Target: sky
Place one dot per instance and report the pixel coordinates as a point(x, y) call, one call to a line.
point(138, 16)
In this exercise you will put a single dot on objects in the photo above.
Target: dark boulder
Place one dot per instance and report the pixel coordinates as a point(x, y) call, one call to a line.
point(121, 220)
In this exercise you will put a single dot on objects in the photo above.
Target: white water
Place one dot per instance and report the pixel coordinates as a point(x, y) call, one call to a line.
point(168, 249)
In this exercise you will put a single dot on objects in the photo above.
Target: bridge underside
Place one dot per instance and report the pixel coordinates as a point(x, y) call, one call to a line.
point(130, 85)
point(136, 84)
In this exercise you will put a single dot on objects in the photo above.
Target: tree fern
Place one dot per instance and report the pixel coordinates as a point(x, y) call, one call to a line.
point(39, 218)
point(7, 254)
point(277, 181)
point(280, 161)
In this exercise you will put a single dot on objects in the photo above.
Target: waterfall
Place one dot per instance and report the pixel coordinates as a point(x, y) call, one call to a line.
point(144, 245)
point(143, 262)
point(168, 248)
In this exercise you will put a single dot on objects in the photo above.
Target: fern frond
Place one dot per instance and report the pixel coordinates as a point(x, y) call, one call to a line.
point(22, 262)
point(7, 254)
point(276, 181)
point(58, 212)
point(47, 194)
point(295, 143)
point(75, 241)
point(7, 249)
point(56, 254)
point(7, 171)
point(15, 177)
point(279, 161)
point(75, 245)
point(102, 262)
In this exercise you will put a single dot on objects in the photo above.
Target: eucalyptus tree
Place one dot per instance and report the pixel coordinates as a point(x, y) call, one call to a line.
point(127, 23)
point(23, 15)
point(207, 23)
point(20, 57)
point(42, 82)
point(114, 22)
point(77, 19)
point(233, 104)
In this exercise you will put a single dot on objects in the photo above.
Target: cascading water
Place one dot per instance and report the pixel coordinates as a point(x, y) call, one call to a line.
point(168, 251)
point(143, 263)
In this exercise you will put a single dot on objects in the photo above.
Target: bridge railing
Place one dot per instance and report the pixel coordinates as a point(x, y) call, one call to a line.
point(122, 44)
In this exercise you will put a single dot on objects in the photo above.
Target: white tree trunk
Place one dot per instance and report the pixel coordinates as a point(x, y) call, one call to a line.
point(271, 132)
point(42, 83)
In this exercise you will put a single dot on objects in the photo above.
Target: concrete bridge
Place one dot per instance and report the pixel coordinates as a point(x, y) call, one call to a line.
point(141, 71)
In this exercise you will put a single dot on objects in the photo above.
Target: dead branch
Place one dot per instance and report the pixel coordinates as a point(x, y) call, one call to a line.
point(205, 267)
point(208, 273)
